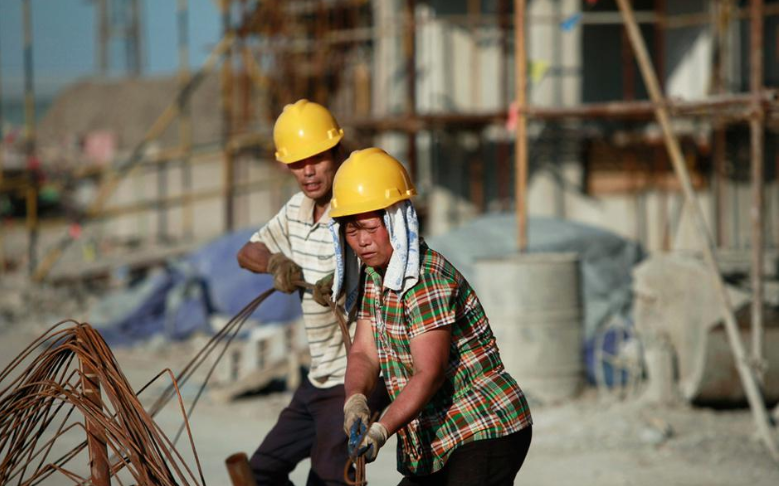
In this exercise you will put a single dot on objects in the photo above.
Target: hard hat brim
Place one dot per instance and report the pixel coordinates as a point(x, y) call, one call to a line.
point(310, 150)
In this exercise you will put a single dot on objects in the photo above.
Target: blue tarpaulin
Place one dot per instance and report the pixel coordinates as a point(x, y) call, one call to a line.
point(179, 300)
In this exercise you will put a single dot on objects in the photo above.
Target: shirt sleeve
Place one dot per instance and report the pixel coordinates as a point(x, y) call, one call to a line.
point(430, 304)
point(366, 301)
point(275, 234)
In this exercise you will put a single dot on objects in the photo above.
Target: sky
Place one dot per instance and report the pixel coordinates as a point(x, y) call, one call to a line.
point(64, 41)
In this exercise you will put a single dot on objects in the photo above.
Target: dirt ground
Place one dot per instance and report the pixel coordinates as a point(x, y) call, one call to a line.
point(586, 441)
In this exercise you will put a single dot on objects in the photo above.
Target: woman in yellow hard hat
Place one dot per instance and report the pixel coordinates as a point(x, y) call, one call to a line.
point(295, 246)
point(459, 416)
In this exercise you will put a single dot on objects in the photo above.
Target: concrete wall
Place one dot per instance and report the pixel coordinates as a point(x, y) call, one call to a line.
point(252, 208)
point(689, 54)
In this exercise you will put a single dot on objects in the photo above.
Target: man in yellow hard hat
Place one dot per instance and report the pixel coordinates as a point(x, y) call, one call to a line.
point(461, 419)
point(295, 246)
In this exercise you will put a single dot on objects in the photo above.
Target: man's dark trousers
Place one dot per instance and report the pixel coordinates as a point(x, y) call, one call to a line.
point(310, 426)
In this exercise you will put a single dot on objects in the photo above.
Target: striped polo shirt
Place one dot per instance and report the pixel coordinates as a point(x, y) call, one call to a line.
point(294, 233)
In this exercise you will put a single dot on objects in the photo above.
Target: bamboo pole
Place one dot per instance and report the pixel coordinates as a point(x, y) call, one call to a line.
point(520, 193)
point(748, 380)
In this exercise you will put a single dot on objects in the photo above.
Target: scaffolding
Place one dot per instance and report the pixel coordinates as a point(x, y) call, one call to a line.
point(348, 54)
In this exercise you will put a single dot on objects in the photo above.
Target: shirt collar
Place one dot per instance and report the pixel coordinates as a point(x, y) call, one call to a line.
point(306, 212)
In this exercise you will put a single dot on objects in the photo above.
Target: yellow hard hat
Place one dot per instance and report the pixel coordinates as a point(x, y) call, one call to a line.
point(304, 129)
point(369, 180)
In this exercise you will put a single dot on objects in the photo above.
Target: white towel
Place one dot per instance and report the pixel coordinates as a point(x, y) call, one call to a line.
point(347, 266)
point(403, 269)
point(403, 228)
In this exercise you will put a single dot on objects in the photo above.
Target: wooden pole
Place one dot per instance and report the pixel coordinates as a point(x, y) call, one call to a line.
point(103, 37)
point(239, 470)
point(520, 192)
point(672, 145)
point(185, 122)
point(409, 53)
point(2, 168)
point(227, 120)
point(758, 206)
point(29, 138)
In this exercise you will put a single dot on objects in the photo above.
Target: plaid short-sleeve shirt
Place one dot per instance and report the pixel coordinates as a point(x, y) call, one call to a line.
point(478, 400)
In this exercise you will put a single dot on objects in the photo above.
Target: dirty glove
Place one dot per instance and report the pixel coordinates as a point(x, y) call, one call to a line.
point(323, 290)
point(371, 442)
point(356, 408)
point(285, 272)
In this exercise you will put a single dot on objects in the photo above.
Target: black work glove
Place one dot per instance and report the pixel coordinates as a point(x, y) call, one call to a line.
point(323, 290)
point(285, 272)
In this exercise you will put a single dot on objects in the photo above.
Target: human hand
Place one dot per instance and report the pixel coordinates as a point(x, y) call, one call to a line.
point(356, 408)
point(285, 272)
point(371, 442)
point(323, 290)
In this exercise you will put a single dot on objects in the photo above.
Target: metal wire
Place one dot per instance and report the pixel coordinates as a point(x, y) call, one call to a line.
point(31, 422)
point(36, 405)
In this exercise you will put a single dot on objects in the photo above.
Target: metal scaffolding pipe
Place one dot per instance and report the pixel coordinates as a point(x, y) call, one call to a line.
point(745, 371)
point(758, 190)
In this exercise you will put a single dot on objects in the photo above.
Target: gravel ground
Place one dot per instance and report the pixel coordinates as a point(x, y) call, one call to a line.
point(586, 441)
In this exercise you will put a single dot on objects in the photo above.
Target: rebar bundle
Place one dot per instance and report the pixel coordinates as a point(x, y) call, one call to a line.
point(36, 406)
point(76, 371)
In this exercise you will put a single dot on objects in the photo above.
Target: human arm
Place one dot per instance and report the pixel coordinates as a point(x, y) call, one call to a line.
point(362, 364)
point(430, 355)
point(254, 257)
point(362, 370)
point(271, 238)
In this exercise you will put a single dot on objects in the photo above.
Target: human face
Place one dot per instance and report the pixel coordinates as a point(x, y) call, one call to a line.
point(369, 239)
point(315, 175)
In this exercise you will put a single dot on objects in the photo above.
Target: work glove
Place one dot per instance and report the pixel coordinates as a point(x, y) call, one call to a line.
point(356, 408)
point(285, 273)
point(323, 290)
point(368, 445)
